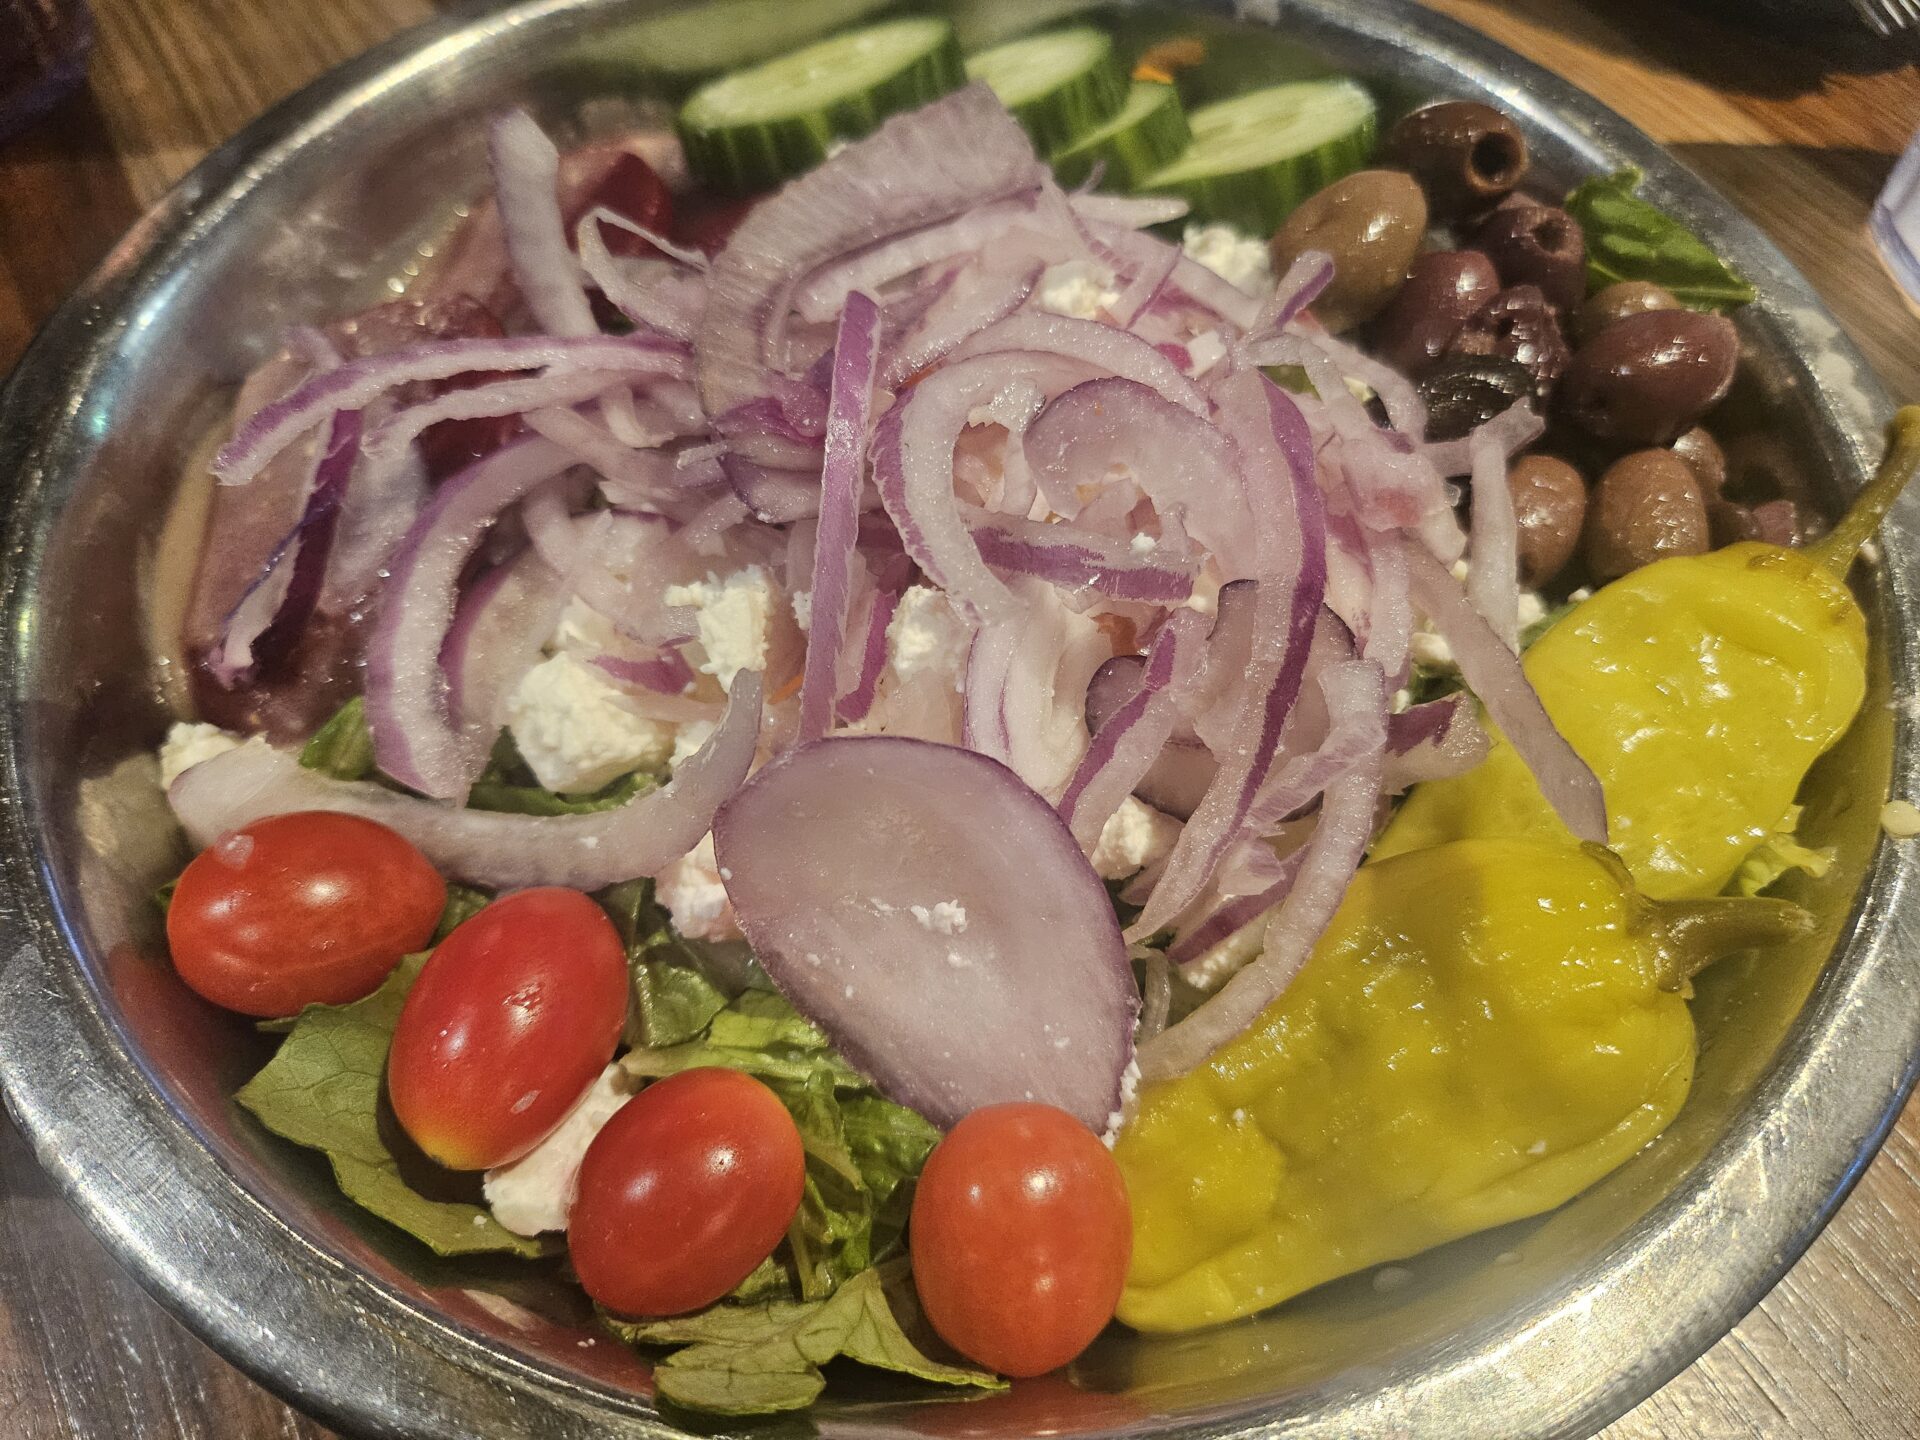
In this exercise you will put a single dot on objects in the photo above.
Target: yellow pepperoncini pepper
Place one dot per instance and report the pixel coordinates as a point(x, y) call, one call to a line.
point(1487, 1028)
point(1700, 689)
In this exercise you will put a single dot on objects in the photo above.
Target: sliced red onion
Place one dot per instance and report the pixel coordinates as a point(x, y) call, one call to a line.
point(1276, 466)
point(1128, 212)
point(1088, 342)
point(980, 295)
point(1351, 689)
point(1434, 741)
point(480, 847)
point(686, 255)
point(1026, 686)
point(389, 443)
point(867, 662)
point(1128, 742)
point(973, 233)
point(267, 622)
point(653, 294)
point(1493, 673)
point(1512, 430)
point(1155, 270)
point(359, 383)
point(919, 169)
point(1179, 460)
point(1339, 843)
point(1493, 584)
point(934, 917)
point(1232, 915)
point(1309, 274)
point(416, 739)
point(705, 532)
point(1405, 409)
point(1389, 628)
point(856, 353)
point(590, 444)
point(772, 495)
point(526, 187)
point(502, 622)
point(1070, 557)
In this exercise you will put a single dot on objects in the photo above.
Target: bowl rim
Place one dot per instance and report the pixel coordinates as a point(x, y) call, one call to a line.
point(133, 1166)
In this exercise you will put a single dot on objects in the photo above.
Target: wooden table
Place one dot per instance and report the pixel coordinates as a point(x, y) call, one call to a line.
point(1799, 134)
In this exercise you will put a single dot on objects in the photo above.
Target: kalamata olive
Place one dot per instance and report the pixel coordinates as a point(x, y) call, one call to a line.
point(1616, 302)
point(1463, 391)
point(1467, 155)
point(1775, 522)
point(1645, 379)
point(1538, 245)
point(1550, 508)
point(1701, 451)
point(1370, 223)
point(1443, 288)
point(1518, 325)
point(1761, 466)
point(1645, 507)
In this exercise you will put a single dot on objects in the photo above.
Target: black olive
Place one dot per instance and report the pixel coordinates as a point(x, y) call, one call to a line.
point(1463, 391)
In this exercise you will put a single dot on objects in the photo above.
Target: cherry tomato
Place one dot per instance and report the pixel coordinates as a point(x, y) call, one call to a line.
point(690, 1186)
point(707, 222)
point(631, 189)
point(301, 909)
point(512, 1018)
point(1021, 1234)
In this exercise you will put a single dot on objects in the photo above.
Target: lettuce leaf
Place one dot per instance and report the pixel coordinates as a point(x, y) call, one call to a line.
point(322, 1090)
point(343, 747)
point(1632, 239)
point(764, 1359)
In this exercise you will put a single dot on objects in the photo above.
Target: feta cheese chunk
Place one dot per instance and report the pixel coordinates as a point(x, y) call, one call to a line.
point(577, 731)
point(187, 744)
point(1240, 260)
point(1133, 839)
point(735, 616)
point(928, 636)
point(691, 891)
point(1080, 288)
point(535, 1193)
point(686, 744)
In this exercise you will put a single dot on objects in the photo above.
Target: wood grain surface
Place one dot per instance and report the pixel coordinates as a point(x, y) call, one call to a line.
point(1800, 133)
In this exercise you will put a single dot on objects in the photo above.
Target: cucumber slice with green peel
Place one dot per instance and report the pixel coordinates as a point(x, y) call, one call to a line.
point(1147, 134)
point(981, 23)
point(1255, 157)
point(1059, 85)
point(720, 35)
point(751, 129)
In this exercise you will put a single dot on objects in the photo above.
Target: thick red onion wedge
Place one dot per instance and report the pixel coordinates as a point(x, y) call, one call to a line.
point(416, 739)
point(500, 626)
point(1434, 741)
point(919, 169)
point(1026, 686)
point(856, 352)
point(481, 847)
point(526, 186)
point(1276, 466)
point(1339, 842)
point(1493, 584)
point(1129, 741)
point(267, 622)
point(934, 917)
point(359, 383)
point(1180, 461)
point(1493, 673)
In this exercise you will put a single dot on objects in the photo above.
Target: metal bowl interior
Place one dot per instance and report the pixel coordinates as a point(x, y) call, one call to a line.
point(121, 1078)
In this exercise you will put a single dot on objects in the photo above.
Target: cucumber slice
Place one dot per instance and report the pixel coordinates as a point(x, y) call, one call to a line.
point(1059, 85)
point(1147, 134)
point(720, 35)
point(981, 23)
point(1255, 157)
point(754, 128)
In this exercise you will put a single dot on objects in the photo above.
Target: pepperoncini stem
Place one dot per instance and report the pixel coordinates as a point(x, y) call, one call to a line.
point(1695, 933)
point(1835, 551)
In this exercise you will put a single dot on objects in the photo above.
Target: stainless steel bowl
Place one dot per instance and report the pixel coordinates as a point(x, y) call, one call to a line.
point(120, 1078)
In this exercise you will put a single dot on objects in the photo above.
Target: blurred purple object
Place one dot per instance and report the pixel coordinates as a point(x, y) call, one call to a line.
point(43, 55)
point(1895, 222)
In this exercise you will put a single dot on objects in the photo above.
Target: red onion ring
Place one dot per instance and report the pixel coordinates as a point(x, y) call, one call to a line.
point(526, 187)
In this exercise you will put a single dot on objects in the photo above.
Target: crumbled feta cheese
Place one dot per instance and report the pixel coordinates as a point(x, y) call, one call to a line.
point(1204, 351)
point(1238, 259)
point(577, 731)
point(734, 618)
point(944, 917)
point(188, 744)
point(1429, 648)
point(1142, 544)
point(1135, 837)
point(802, 603)
point(690, 889)
point(584, 631)
point(1532, 608)
point(535, 1192)
point(692, 735)
point(1079, 288)
point(1129, 1088)
point(927, 634)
